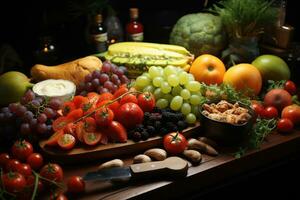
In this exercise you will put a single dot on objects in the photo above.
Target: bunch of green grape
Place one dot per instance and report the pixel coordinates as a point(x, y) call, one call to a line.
point(173, 87)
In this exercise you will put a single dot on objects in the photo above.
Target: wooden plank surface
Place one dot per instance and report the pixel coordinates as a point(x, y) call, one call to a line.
point(212, 170)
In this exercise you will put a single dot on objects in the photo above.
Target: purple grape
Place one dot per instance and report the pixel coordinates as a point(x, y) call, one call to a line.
point(96, 74)
point(21, 110)
point(106, 67)
point(33, 123)
point(5, 109)
point(114, 89)
point(13, 107)
point(114, 68)
point(124, 79)
point(35, 103)
point(103, 78)
point(108, 85)
point(28, 116)
point(29, 96)
point(118, 82)
point(55, 103)
point(25, 129)
point(103, 90)
point(89, 87)
point(124, 69)
point(88, 78)
point(95, 82)
point(83, 93)
point(119, 72)
point(80, 87)
point(114, 78)
point(41, 128)
point(39, 99)
point(49, 112)
point(42, 118)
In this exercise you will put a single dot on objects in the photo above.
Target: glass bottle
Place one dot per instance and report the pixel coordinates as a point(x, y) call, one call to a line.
point(114, 27)
point(134, 29)
point(98, 35)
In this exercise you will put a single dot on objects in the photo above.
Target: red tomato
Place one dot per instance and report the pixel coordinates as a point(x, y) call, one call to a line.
point(91, 138)
point(68, 107)
point(292, 112)
point(93, 97)
point(75, 184)
point(122, 90)
point(4, 158)
point(87, 107)
point(116, 132)
point(79, 131)
point(130, 114)
point(258, 108)
point(270, 112)
point(60, 123)
point(113, 106)
point(290, 86)
point(70, 128)
point(104, 116)
point(12, 165)
point(35, 160)
point(175, 143)
point(52, 141)
point(128, 98)
point(21, 149)
point(13, 182)
point(146, 101)
point(66, 141)
point(78, 100)
point(30, 180)
point(61, 197)
point(105, 96)
point(89, 124)
point(52, 172)
point(75, 114)
point(285, 125)
point(24, 169)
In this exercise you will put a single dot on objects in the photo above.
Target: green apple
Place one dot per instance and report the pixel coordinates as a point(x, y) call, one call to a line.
point(272, 67)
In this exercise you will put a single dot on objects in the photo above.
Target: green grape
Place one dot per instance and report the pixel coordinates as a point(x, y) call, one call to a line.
point(165, 87)
point(185, 94)
point(173, 80)
point(176, 90)
point(142, 81)
point(186, 108)
point(154, 72)
point(169, 97)
point(149, 88)
point(191, 77)
point(195, 99)
point(193, 86)
point(146, 74)
point(183, 78)
point(176, 103)
point(195, 110)
point(190, 118)
point(157, 81)
point(169, 70)
point(162, 103)
point(158, 93)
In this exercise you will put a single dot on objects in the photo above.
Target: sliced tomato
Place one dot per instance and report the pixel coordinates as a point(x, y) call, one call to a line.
point(91, 138)
point(68, 107)
point(75, 114)
point(105, 96)
point(60, 123)
point(66, 141)
point(70, 128)
point(90, 124)
point(78, 100)
point(79, 131)
point(104, 139)
point(52, 141)
point(122, 90)
point(93, 97)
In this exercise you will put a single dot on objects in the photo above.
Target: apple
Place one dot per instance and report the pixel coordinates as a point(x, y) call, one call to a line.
point(272, 67)
point(279, 98)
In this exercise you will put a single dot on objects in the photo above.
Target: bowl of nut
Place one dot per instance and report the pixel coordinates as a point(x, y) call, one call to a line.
point(228, 123)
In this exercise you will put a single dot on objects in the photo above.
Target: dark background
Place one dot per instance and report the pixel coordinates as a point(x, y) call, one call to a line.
point(24, 22)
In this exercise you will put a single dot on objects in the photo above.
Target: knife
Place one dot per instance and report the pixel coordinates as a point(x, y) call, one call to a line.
point(174, 167)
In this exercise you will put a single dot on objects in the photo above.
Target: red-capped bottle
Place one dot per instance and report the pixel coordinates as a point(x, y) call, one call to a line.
point(134, 29)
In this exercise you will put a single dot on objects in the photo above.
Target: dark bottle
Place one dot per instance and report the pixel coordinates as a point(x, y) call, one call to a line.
point(98, 35)
point(134, 29)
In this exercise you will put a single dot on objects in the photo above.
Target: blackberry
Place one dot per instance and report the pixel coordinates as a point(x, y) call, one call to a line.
point(157, 125)
point(144, 135)
point(157, 110)
point(182, 125)
point(139, 127)
point(163, 131)
point(151, 130)
point(136, 136)
point(147, 115)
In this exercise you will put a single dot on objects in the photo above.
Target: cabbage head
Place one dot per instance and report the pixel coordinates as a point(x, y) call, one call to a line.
point(200, 33)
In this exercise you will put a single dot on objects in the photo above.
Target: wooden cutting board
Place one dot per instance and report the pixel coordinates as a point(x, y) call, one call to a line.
point(111, 150)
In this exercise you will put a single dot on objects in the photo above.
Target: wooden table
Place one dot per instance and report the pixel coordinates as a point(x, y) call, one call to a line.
point(212, 170)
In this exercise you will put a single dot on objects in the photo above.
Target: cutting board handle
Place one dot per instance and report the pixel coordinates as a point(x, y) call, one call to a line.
point(172, 167)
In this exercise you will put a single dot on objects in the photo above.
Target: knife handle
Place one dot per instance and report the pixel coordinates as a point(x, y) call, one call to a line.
point(175, 166)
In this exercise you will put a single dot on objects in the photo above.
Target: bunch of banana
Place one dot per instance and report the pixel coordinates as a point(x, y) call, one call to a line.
point(138, 56)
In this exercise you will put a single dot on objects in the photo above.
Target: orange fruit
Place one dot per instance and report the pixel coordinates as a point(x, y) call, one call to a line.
point(244, 77)
point(208, 69)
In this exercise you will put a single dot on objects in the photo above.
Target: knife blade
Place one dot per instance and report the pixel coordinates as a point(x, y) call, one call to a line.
point(173, 167)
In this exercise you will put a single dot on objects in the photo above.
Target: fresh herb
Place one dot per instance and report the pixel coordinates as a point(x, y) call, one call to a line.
point(275, 84)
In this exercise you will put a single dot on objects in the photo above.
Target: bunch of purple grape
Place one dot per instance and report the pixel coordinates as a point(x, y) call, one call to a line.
point(108, 79)
point(34, 114)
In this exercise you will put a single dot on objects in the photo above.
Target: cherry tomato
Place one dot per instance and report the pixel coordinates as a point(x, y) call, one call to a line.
point(52, 171)
point(12, 165)
point(30, 180)
point(24, 169)
point(290, 86)
point(129, 98)
point(146, 101)
point(66, 141)
point(122, 90)
point(87, 107)
point(292, 112)
point(175, 143)
point(78, 100)
point(285, 125)
point(61, 197)
point(70, 128)
point(21, 149)
point(4, 158)
point(13, 182)
point(104, 116)
point(258, 108)
point(35, 160)
point(270, 112)
point(91, 138)
point(89, 124)
point(105, 96)
point(52, 141)
point(116, 132)
point(75, 114)
point(79, 131)
point(130, 114)
point(75, 184)
point(113, 106)
point(68, 107)
point(93, 97)
point(60, 123)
